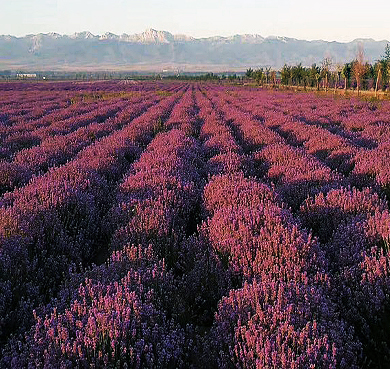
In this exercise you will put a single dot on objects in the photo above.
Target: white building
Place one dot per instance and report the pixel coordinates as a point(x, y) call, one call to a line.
point(26, 75)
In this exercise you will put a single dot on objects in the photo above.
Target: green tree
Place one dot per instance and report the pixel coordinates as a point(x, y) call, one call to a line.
point(232, 77)
point(346, 73)
point(387, 52)
point(297, 74)
point(249, 73)
point(285, 75)
point(267, 74)
point(385, 61)
point(369, 74)
point(314, 76)
point(258, 75)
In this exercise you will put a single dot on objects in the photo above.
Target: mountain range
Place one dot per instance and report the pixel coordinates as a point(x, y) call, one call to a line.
point(159, 51)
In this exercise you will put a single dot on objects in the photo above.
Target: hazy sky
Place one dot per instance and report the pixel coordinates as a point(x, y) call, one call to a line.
point(340, 20)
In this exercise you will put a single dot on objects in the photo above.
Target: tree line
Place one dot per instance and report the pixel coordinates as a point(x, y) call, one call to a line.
point(357, 74)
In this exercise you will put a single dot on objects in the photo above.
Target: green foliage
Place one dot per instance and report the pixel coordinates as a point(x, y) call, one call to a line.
point(258, 75)
point(387, 53)
point(232, 77)
point(298, 74)
point(249, 72)
point(384, 64)
point(262, 75)
point(314, 75)
point(347, 73)
point(164, 93)
point(285, 74)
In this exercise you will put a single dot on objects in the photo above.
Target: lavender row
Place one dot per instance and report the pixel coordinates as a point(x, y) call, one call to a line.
point(25, 126)
point(353, 226)
point(71, 102)
point(350, 116)
point(158, 183)
point(374, 164)
point(100, 113)
point(362, 164)
point(161, 190)
point(334, 150)
point(258, 239)
point(23, 106)
point(219, 144)
point(90, 86)
point(283, 316)
point(56, 220)
point(345, 152)
point(70, 105)
point(371, 123)
point(295, 173)
point(114, 317)
point(252, 134)
point(172, 155)
point(294, 300)
point(184, 115)
point(57, 150)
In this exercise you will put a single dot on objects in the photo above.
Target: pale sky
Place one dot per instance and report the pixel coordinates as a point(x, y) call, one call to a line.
point(331, 20)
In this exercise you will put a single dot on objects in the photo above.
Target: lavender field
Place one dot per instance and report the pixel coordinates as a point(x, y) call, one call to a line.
point(192, 225)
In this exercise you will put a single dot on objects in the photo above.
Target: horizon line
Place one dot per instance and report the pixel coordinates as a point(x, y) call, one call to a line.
point(195, 38)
